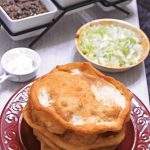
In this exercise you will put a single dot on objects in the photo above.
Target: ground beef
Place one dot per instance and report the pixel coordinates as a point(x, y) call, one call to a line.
point(18, 9)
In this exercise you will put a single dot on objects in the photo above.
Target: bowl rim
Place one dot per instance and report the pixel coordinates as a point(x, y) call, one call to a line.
point(29, 17)
point(147, 50)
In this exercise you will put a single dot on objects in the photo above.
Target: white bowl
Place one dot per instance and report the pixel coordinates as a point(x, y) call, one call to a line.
point(32, 21)
point(66, 3)
point(9, 72)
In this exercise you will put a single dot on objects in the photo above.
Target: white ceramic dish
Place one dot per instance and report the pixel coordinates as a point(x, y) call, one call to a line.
point(32, 21)
point(9, 69)
point(27, 35)
point(66, 3)
point(144, 41)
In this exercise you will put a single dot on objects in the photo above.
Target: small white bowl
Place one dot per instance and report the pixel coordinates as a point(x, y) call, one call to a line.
point(144, 41)
point(11, 56)
point(32, 21)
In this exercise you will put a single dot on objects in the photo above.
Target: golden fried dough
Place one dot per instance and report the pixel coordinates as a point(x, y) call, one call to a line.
point(48, 146)
point(81, 98)
point(73, 142)
point(76, 107)
point(45, 143)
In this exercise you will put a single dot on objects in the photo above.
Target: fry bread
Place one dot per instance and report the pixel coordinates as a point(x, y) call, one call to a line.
point(76, 107)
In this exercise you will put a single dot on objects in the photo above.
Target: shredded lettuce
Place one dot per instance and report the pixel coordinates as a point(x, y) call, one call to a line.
point(111, 45)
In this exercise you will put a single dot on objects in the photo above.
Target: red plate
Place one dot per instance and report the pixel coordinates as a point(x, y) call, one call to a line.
point(15, 134)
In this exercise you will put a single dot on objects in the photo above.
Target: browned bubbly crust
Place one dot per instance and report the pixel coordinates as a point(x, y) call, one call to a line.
point(58, 117)
point(56, 142)
point(47, 145)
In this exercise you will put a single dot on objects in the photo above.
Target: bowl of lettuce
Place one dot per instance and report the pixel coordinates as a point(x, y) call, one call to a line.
point(112, 45)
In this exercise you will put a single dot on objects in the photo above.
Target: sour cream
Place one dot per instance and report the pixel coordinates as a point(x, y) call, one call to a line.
point(21, 65)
